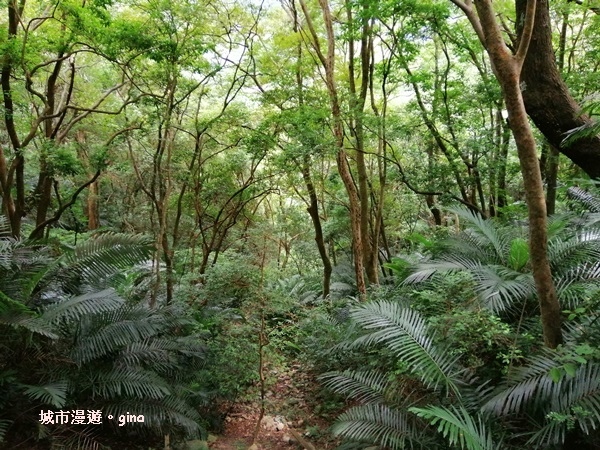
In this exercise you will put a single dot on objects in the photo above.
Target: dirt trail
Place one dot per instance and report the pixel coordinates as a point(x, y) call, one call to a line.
point(288, 417)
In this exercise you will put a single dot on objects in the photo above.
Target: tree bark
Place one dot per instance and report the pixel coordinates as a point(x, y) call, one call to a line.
point(547, 98)
point(92, 207)
point(313, 210)
point(357, 106)
point(12, 208)
point(507, 70)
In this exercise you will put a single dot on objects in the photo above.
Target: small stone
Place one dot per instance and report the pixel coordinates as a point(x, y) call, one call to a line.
point(212, 438)
point(280, 426)
point(269, 423)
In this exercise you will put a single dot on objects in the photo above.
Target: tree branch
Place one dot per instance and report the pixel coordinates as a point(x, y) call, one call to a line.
point(36, 232)
point(529, 20)
point(467, 7)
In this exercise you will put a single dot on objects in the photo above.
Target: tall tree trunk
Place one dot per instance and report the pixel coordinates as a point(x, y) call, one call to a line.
point(313, 210)
point(507, 70)
point(13, 209)
point(502, 162)
point(357, 106)
point(328, 63)
point(93, 213)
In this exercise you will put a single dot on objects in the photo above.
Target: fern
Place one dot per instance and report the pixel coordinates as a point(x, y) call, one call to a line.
point(377, 424)
point(114, 336)
point(72, 309)
point(158, 413)
point(405, 332)
point(104, 255)
point(54, 394)
point(527, 385)
point(459, 427)
point(4, 424)
point(587, 130)
point(125, 354)
point(128, 381)
point(487, 234)
point(364, 387)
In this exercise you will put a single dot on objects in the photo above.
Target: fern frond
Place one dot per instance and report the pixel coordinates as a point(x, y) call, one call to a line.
point(103, 256)
point(163, 353)
point(129, 381)
point(487, 231)
point(501, 287)
point(54, 394)
point(446, 264)
point(75, 307)
point(114, 337)
point(158, 413)
point(376, 424)
point(406, 333)
point(4, 425)
point(528, 386)
point(587, 130)
point(79, 438)
point(364, 387)
point(577, 397)
point(459, 427)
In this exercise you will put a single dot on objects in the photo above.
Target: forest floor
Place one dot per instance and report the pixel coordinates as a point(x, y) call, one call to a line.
point(294, 416)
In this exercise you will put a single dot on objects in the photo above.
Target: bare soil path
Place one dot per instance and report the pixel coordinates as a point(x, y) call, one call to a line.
point(289, 420)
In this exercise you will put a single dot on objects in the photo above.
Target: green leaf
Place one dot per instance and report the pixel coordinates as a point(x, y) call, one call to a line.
point(54, 394)
point(377, 424)
point(406, 333)
point(459, 427)
point(519, 254)
point(556, 374)
point(570, 369)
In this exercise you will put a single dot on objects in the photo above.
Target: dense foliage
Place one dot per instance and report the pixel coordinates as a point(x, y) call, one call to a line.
point(396, 198)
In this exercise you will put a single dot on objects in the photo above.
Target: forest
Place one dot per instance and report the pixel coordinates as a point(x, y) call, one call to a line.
point(318, 224)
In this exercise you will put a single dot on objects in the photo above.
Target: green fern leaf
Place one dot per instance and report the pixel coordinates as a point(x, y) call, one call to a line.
point(54, 394)
point(459, 427)
point(364, 387)
point(405, 332)
point(74, 308)
point(376, 424)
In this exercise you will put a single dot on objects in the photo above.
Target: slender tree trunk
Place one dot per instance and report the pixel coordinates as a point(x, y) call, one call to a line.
point(313, 210)
point(507, 70)
point(357, 105)
point(14, 209)
point(92, 207)
point(328, 63)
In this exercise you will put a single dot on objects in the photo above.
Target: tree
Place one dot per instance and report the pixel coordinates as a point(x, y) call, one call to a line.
point(507, 68)
point(49, 81)
point(546, 96)
point(328, 63)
